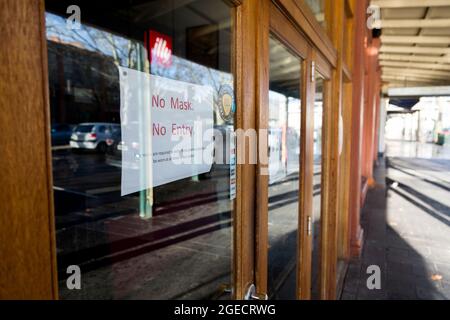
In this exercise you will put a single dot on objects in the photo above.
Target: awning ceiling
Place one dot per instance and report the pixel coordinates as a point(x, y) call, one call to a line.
point(415, 42)
point(404, 103)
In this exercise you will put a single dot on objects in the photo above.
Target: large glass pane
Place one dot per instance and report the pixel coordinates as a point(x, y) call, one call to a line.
point(172, 238)
point(284, 167)
point(317, 208)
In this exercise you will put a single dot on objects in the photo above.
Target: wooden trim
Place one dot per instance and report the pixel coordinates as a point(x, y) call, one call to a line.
point(262, 178)
point(330, 185)
point(287, 33)
point(345, 172)
point(358, 70)
point(302, 17)
point(327, 234)
point(349, 9)
point(306, 182)
point(346, 73)
point(27, 237)
point(51, 208)
point(344, 221)
point(322, 65)
point(327, 165)
point(245, 62)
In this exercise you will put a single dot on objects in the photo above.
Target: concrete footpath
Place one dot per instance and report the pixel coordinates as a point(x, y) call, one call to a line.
point(406, 220)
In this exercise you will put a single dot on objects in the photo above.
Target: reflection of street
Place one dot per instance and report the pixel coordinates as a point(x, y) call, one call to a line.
point(124, 256)
point(84, 172)
point(283, 226)
point(398, 148)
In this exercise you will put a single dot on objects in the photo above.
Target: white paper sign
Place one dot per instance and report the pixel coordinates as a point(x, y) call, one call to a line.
point(167, 130)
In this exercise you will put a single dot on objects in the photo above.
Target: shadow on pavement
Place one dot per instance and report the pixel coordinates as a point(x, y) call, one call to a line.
point(403, 255)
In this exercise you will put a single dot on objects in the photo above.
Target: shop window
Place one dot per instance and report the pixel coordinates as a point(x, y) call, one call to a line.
point(168, 235)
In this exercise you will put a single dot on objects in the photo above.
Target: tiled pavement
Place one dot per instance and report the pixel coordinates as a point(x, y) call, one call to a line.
point(406, 220)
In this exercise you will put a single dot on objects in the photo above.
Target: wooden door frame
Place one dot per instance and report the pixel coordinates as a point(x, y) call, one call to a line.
point(285, 31)
point(327, 215)
point(272, 21)
point(291, 35)
point(27, 229)
point(310, 45)
point(250, 17)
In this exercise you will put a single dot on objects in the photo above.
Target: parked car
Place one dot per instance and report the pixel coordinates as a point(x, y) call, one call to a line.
point(61, 134)
point(94, 136)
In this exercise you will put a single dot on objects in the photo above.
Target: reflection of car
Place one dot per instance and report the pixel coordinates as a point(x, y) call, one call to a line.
point(61, 134)
point(95, 135)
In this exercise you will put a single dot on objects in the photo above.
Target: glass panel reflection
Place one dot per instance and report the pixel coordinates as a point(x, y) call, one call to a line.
point(169, 242)
point(284, 167)
point(318, 9)
point(317, 180)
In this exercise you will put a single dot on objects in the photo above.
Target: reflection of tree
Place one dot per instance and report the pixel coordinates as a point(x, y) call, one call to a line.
point(109, 49)
point(85, 60)
point(185, 70)
point(123, 51)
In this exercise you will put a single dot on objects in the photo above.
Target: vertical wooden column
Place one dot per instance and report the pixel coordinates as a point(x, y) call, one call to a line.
point(377, 92)
point(367, 115)
point(371, 107)
point(347, 119)
point(27, 241)
point(330, 176)
point(358, 77)
point(344, 175)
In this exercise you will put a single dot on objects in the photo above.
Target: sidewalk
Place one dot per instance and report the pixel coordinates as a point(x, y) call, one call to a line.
point(406, 219)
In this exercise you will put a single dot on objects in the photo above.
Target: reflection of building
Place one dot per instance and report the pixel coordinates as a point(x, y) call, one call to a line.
point(423, 122)
point(84, 85)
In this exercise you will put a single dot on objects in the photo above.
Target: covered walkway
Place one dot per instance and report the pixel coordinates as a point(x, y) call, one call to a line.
point(406, 219)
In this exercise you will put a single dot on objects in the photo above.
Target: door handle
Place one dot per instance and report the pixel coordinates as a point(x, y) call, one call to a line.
point(251, 294)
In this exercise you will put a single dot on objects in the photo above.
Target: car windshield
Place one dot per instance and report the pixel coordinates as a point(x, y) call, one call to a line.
point(84, 128)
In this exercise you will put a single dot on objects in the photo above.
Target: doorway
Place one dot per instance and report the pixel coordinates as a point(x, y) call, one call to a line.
point(289, 234)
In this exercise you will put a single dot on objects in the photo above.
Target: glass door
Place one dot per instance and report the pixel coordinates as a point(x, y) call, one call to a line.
point(319, 231)
point(284, 132)
point(288, 118)
point(317, 187)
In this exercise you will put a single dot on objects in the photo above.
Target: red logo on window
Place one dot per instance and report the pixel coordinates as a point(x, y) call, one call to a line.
point(159, 47)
